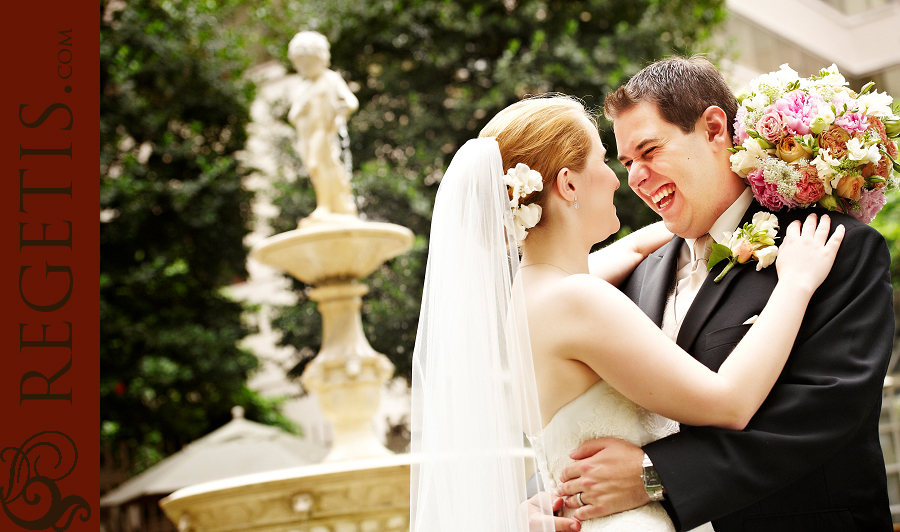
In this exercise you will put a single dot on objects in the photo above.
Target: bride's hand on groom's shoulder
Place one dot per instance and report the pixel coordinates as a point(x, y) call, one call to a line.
point(807, 252)
point(607, 473)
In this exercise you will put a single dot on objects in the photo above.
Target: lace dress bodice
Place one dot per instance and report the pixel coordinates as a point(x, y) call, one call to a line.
point(599, 412)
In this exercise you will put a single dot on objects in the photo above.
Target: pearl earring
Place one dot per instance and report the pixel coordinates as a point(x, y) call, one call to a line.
point(576, 202)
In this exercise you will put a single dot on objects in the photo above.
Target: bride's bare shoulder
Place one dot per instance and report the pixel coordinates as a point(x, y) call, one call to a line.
point(567, 317)
point(579, 297)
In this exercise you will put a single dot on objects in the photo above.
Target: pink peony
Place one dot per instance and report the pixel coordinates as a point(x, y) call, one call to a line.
point(771, 126)
point(767, 193)
point(852, 122)
point(799, 109)
point(870, 202)
point(740, 131)
point(842, 102)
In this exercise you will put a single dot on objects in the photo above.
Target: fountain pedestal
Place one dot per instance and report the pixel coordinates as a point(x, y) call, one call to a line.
point(347, 375)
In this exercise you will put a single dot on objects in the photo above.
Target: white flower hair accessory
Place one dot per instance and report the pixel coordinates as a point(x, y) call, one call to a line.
point(521, 182)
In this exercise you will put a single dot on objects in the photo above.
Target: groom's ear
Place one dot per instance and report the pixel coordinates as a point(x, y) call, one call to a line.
point(564, 185)
point(714, 124)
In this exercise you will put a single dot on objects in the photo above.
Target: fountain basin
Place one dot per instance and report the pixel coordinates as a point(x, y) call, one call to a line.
point(317, 253)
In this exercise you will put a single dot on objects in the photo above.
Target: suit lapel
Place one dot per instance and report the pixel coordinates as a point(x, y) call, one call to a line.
point(658, 280)
point(711, 292)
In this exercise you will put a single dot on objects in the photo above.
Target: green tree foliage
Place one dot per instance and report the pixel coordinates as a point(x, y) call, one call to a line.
point(888, 224)
point(429, 74)
point(173, 112)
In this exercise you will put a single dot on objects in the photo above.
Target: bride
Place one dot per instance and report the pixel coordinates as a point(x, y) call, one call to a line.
point(546, 349)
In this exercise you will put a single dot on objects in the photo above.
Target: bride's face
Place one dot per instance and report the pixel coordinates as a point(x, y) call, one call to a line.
point(600, 184)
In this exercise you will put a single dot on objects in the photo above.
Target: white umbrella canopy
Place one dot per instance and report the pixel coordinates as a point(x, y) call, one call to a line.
point(239, 447)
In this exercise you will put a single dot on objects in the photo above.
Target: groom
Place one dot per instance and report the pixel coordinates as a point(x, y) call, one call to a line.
point(810, 459)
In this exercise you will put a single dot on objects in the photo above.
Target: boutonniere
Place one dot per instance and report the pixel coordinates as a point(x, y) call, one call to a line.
point(754, 241)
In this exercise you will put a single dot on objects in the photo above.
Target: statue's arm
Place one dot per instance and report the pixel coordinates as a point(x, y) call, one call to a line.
point(346, 102)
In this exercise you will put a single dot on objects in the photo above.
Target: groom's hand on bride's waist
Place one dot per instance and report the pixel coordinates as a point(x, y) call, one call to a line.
point(542, 513)
point(607, 473)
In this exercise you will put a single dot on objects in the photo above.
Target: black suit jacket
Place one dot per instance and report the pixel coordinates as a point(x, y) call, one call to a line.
point(810, 459)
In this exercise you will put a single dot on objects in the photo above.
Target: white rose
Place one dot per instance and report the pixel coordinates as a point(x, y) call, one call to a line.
point(875, 104)
point(765, 256)
point(765, 221)
point(833, 78)
point(743, 162)
point(786, 75)
point(750, 158)
point(758, 101)
point(755, 148)
point(857, 152)
point(825, 164)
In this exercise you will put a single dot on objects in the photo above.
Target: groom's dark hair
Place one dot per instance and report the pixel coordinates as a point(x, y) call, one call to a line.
point(682, 89)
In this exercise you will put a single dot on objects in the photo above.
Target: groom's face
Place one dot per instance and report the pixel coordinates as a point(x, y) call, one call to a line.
point(672, 171)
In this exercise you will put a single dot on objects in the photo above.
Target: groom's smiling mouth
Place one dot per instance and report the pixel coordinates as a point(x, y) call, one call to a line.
point(663, 197)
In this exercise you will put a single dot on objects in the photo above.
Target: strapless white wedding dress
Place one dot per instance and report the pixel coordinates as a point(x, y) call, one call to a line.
point(599, 412)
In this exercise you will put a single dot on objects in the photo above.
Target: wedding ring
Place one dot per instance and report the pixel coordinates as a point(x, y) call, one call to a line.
point(578, 497)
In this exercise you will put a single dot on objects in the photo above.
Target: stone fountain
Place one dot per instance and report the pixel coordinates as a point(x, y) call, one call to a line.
point(360, 485)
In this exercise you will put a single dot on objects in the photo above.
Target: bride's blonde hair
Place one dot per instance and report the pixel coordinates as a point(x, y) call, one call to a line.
point(548, 133)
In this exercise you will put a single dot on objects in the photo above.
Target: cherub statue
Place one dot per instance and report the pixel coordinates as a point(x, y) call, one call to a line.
point(320, 105)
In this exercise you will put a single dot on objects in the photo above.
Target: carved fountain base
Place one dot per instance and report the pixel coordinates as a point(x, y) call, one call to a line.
point(352, 496)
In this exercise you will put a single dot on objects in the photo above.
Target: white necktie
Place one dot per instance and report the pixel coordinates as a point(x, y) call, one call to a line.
point(687, 288)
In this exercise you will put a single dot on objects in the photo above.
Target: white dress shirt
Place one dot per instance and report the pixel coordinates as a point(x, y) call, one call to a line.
point(688, 275)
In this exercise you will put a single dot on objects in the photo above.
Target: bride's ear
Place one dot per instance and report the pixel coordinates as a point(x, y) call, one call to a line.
point(565, 185)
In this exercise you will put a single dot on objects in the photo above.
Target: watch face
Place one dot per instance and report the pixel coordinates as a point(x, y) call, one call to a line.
point(651, 479)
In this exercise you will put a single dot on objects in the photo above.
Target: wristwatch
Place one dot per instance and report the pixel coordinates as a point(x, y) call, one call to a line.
point(652, 485)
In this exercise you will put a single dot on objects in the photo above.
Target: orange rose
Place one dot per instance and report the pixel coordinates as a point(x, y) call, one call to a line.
point(850, 187)
point(789, 150)
point(834, 139)
point(882, 169)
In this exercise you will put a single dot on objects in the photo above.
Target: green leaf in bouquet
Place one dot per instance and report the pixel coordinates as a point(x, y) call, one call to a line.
point(892, 127)
point(894, 162)
point(765, 144)
point(866, 88)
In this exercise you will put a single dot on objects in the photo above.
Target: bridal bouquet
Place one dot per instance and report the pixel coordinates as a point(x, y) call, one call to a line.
point(805, 141)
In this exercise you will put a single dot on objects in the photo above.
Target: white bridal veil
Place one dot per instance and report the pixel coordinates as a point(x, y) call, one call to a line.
point(473, 392)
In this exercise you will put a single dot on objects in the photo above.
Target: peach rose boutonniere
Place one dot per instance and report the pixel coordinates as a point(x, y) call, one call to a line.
point(753, 241)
